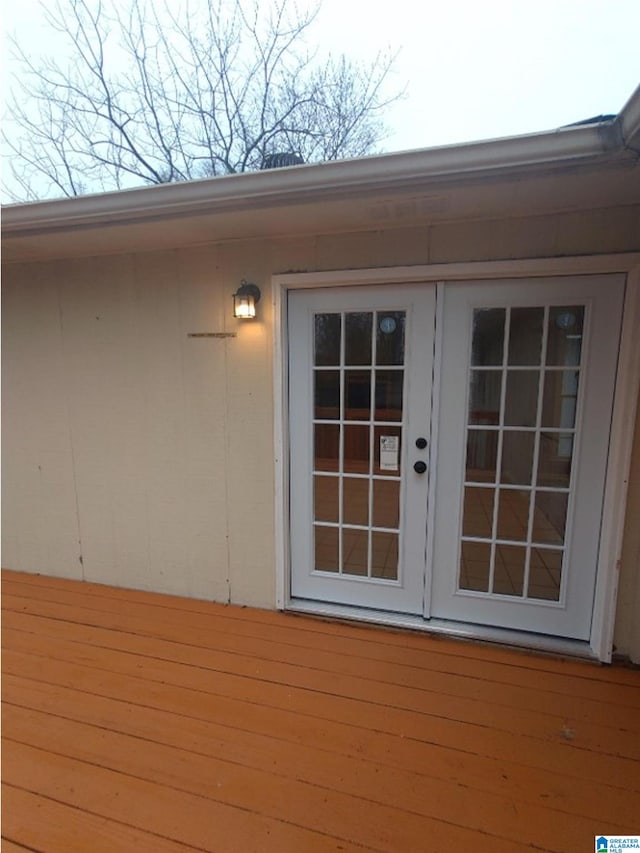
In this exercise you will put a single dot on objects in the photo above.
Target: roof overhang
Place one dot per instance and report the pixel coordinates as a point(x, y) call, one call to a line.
point(573, 168)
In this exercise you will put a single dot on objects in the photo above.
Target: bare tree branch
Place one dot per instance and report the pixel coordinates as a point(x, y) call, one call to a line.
point(154, 93)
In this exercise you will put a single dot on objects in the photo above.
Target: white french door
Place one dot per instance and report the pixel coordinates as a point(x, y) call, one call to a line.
point(360, 373)
point(514, 478)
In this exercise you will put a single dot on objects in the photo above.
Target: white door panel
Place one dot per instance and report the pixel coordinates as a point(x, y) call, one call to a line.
point(528, 371)
point(513, 486)
point(360, 374)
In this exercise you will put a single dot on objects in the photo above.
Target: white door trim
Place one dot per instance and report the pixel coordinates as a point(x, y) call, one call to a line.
point(625, 402)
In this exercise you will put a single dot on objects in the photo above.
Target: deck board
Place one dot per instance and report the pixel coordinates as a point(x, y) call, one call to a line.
point(154, 720)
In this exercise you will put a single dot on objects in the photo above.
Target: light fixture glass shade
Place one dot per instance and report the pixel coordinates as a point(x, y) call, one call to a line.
point(244, 307)
point(244, 301)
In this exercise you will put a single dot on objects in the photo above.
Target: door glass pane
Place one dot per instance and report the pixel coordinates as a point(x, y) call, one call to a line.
point(389, 395)
point(523, 410)
point(355, 500)
point(384, 555)
point(525, 336)
point(355, 544)
point(390, 337)
point(325, 498)
point(521, 404)
point(513, 514)
point(357, 395)
point(326, 549)
point(564, 345)
point(327, 339)
point(517, 457)
point(482, 451)
point(560, 398)
point(387, 448)
point(356, 449)
point(488, 336)
point(386, 503)
point(327, 447)
point(475, 563)
point(478, 512)
point(357, 338)
point(550, 517)
point(545, 574)
point(484, 397)
point(327, 394)
point(554, 461)
point(508, 574)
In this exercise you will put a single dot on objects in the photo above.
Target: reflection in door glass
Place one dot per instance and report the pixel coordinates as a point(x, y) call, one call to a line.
point(484, 397)
point(327, 447)
point(355, 551)
point(545, 573)
point(550, 517)
point(477, 517)
point(327, 395)
point(325, 498)
point(564, 346)
point(356, 449)
point(475, 565)
point(384, 555)
point(357, 338)
point(517, 457)
point(521, 404)
point(390, 337)
point(525, 336)
point(357, 395)
point(386, 503)
point(355, 500)
point(520, 437)
point(508, 576)
point(327, 339)
point(389, 395)
point(326, 549)
point(482, 453)
point(488, 336)
point(560, 399)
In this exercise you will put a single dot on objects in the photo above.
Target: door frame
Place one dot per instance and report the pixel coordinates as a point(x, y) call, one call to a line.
point(625, 403)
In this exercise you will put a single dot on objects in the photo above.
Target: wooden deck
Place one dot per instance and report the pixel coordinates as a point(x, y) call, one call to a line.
point(140, 722)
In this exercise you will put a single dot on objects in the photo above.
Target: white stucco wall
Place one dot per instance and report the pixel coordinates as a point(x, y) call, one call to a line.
point(138, 456)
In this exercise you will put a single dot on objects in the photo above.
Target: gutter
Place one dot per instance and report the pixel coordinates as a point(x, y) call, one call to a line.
point(571, 146)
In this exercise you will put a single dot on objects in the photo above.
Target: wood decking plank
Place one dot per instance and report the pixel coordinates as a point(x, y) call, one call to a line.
point(204, 727)
point(341, 769)
point(354, 720)
point(43, 824)
point(208, 823)
point(364, 816)
point(412, 710)
point(502, 815)
point(190, 819)
point(110, 599)
point(158, 621)
point(216, 646)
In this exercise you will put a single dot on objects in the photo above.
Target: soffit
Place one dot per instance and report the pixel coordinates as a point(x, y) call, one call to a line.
point(542, 189)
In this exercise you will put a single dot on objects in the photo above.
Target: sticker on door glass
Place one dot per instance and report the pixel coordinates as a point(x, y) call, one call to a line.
point(389, 445)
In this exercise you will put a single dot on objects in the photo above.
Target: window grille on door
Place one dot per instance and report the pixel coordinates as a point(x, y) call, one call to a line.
point(358, 379)
point(524, 377)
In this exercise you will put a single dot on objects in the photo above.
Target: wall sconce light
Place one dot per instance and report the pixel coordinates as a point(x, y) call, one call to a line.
point(245, 299)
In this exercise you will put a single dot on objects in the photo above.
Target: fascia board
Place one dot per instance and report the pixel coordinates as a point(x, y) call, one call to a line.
point(333, 180)
point(629, 120)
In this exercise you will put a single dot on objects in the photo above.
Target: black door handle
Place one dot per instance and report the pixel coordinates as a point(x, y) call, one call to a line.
point(420, 467)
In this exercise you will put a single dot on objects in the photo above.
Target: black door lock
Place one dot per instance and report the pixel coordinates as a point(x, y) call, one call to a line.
point(420, 467)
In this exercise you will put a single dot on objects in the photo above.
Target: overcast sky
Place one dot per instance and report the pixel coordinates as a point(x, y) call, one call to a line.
point(473, 69)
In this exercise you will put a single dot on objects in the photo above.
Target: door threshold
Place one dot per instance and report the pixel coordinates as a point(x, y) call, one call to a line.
point(459, 630)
